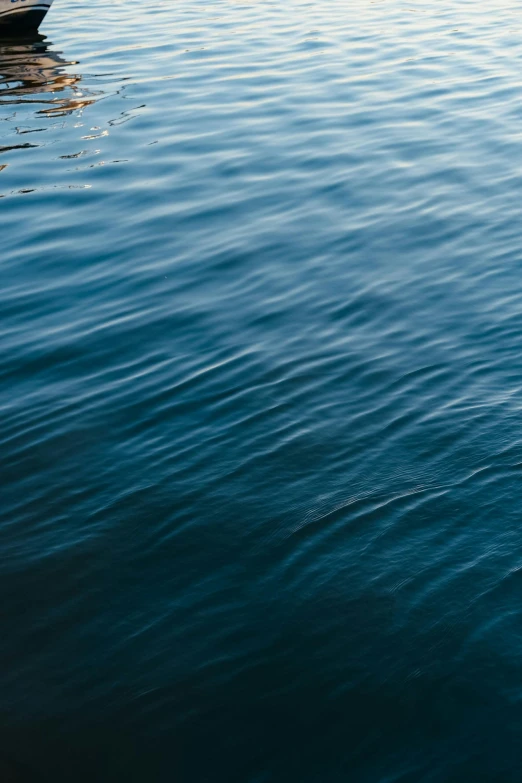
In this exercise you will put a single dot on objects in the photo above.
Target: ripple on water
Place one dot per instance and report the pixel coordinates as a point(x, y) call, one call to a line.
point(260, 388)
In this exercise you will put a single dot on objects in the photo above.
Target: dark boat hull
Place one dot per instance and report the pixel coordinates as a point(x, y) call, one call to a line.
point(18, 20)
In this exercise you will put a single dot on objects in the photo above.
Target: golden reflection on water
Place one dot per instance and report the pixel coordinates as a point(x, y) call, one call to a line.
point(31, 71)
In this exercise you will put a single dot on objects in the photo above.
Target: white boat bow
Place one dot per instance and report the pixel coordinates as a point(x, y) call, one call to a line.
point(22, 15)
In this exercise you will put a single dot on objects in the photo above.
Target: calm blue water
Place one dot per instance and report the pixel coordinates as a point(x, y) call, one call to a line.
point(261, 393)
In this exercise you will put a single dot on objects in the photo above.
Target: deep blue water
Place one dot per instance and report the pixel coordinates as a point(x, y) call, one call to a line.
point(261, 393)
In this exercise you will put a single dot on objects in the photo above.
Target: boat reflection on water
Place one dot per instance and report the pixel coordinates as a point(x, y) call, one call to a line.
point(32, 72)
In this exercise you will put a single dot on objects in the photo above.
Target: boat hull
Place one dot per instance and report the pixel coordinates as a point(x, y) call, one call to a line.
point(20, 16)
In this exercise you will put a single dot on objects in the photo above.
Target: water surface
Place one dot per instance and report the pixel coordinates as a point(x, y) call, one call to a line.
point(261, 392)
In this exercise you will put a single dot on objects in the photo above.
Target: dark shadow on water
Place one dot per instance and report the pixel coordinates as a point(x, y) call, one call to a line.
point(15, 771)
point(32, 71)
